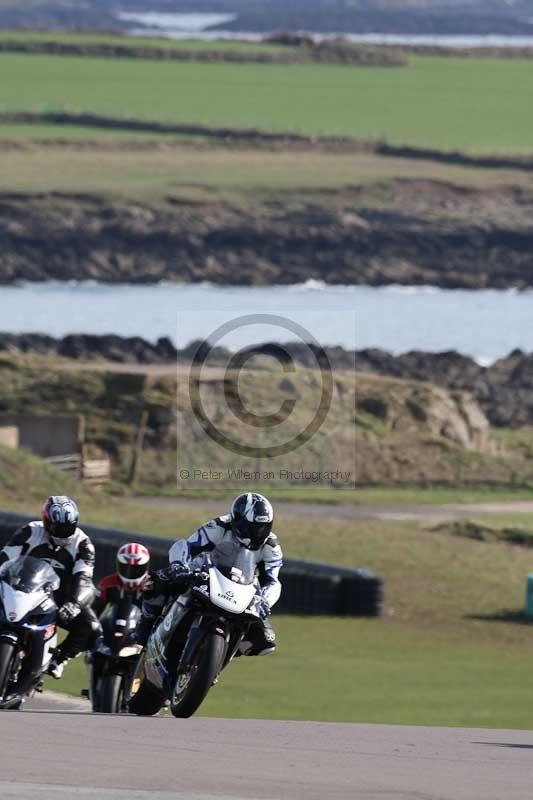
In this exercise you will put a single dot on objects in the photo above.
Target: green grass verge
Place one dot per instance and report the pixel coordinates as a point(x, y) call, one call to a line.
point(349, 670)
point(437, 102)
point(438, 495)
point(449, 650)
point(326, 495)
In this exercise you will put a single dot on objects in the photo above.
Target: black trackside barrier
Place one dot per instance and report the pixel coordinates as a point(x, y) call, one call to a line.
point(308, 587)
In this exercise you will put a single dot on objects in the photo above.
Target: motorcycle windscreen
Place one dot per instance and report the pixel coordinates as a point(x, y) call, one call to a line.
point(236, 563)
point(28, 574)
point(122, 617)
point(18, 604)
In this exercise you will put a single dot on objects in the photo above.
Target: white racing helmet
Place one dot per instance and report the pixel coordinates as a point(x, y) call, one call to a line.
point(133, 563)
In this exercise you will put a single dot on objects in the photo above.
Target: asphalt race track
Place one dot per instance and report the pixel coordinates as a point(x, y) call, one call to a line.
point(54, 754)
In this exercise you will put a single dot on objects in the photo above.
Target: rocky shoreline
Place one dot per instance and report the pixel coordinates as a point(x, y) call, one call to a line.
point(136, 350)
point(503, 390)
point(407, 231)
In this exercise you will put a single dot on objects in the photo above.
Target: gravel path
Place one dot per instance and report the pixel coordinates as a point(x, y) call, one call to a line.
point(354, 512)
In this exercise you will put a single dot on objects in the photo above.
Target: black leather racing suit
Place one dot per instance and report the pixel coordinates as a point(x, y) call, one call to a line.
point(217, 535)
point(74, 565)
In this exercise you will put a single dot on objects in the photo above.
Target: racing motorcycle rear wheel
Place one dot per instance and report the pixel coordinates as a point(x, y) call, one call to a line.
point(191, 687)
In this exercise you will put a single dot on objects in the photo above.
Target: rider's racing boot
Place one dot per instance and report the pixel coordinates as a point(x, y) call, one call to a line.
point(56, 667)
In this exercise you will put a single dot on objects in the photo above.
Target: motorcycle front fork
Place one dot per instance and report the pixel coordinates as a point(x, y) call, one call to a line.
point(33, 658)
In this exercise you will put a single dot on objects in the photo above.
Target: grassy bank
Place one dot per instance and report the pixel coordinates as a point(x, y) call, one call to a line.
point(442, 655)
point(438, 102)
point(374, 672)
point(142, 167)
point(438, 495)
point(402, 431)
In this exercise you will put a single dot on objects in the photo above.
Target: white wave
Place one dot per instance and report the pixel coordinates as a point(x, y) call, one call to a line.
point(398, 288)
point(191, 23)
point(484, 361)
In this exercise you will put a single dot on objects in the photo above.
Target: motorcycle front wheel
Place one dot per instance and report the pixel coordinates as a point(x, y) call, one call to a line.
point(145, 700)
point(191, 687)
point(111, 694)
point(7, 653)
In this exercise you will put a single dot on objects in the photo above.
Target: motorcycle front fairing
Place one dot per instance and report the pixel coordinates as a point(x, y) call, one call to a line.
point(227, 603)
point(115, 650)
point(119, 624)
point(28, 614)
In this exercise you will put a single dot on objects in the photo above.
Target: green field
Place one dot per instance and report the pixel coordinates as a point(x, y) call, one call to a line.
point(436, 495)
point(350, 670)
point(437, 102)
point(158, 168)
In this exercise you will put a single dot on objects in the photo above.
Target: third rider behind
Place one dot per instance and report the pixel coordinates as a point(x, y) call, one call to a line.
point(133, 564)
point(249, 524)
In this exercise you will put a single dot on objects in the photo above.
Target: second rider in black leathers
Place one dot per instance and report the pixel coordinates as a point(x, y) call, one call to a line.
point(57, 539)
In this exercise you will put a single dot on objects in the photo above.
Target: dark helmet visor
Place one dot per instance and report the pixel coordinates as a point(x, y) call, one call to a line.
point(62, 530)
point(131, 572)
point(252, 534)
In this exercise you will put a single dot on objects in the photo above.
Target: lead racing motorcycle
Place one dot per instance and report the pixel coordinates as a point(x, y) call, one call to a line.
point(197, 635)
point(27, 627)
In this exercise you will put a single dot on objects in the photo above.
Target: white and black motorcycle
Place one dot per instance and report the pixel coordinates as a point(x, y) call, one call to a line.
point(27, 626)
point(197, 635)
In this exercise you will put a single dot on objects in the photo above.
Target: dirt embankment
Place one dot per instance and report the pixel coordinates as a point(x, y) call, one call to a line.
point(397, 431)
point(409, 232)
point(504, 390)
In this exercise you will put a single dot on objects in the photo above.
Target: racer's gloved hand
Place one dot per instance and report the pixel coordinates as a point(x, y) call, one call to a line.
point(175, 573)
point(68, 612)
